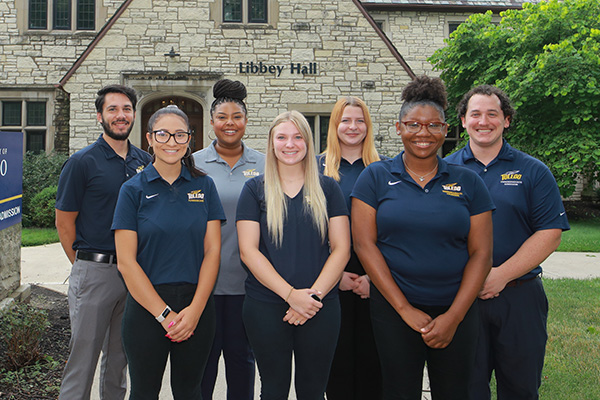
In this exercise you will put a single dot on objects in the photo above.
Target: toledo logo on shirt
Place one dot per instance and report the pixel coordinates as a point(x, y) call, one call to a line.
point(250, 173)
point(139, 169)
point(196, 196)
point(511, 178)
point(452, 189)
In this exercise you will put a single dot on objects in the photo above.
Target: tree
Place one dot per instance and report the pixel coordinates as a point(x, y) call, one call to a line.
point(546, 57)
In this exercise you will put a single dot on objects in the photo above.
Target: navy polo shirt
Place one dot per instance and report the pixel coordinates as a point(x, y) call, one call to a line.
point(170, 221)
point(302, 254)
point(89, 184)
point(526, 196)
point(422, 233)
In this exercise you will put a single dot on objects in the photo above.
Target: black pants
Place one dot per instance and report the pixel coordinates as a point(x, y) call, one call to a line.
point(147, 348)
point(355, 372)
point(231, 339)
point(403, 354)
point(274, 341)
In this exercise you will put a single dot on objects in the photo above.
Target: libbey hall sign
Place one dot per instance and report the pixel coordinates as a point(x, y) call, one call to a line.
point(260, 68)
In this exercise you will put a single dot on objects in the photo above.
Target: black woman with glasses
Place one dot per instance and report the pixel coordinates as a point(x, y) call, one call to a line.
point(167, 227)
point(422, 229)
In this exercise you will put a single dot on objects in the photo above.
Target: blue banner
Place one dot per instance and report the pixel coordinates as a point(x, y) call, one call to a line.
point(11, 178)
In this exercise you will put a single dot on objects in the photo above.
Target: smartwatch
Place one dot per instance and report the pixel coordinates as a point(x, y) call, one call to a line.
point(163, 314)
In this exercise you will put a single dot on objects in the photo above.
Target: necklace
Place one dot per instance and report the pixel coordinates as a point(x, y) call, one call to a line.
point(421, 177)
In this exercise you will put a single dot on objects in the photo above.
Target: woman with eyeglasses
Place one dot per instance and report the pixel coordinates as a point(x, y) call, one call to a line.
point(295, 239)
point(167, 227)
point(422, 229)
point(230, 163)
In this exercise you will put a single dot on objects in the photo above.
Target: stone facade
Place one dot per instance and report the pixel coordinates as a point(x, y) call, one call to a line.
point(10, 260)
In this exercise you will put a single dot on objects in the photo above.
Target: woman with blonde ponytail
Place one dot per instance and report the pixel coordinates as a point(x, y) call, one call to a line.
point(294, 238)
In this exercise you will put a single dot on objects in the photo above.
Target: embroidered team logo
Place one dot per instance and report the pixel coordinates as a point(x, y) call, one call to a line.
point(452, 189)
point(196, 196)
point(250, 173)
point(511, 178)
point(139, 169)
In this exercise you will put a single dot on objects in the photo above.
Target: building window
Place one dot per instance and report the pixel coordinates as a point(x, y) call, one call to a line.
point(319, 125)
point(60, 12)
point(257, 11)
point(452, 139)
point(28, 117)
point(452, 26)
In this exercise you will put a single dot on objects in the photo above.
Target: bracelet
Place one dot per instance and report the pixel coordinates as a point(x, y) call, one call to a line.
point(161, 317)
point(289, 294)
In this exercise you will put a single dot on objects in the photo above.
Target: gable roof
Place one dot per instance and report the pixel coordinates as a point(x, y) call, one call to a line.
point(126, 4)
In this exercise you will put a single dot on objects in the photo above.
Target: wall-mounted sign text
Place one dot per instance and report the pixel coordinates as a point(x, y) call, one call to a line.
point(260, 68)
point(11, 178)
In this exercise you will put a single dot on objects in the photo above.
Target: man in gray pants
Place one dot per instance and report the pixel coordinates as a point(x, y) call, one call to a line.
point(87, 194)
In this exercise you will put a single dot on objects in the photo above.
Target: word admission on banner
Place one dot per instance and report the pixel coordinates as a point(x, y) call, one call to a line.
point(260, 68)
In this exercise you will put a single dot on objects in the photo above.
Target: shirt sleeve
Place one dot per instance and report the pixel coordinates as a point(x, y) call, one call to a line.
point(71, 186)
point(215, 208)
point(547, 209)
point(248, 207)
point(336, 204)
point(365, 187)
point(125, 216)
point(481, 200)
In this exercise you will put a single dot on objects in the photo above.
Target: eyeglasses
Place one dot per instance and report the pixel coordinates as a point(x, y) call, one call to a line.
point(164, 136)
point(435, 128)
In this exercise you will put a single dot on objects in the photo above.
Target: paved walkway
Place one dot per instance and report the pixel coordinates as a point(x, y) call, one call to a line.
point(49, 267)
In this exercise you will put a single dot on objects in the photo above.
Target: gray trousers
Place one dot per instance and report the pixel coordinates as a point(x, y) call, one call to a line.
point(96, 304)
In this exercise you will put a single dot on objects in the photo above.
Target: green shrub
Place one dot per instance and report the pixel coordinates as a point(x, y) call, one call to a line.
point(42, 208)
point(39, 172)
point(21, 328)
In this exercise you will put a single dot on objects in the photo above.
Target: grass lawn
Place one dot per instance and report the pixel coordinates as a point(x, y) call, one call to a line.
point(584, 236)
point(38, 236)
point(572, 367)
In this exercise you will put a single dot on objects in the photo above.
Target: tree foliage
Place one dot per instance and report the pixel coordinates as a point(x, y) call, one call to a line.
point(546, 57)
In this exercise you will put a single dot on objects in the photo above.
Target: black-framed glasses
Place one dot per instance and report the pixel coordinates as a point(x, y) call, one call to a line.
point(162, 136)
point(435, 128)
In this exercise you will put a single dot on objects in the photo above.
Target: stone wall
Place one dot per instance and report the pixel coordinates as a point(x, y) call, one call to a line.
point(10, 260)
point(332, 34)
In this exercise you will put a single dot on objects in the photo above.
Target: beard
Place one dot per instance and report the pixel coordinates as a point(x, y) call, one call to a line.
point(114, 135)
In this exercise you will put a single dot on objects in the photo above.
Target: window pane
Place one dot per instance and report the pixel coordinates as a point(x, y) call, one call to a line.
point(62, 14)
point(86, 14)
point(38, 14)
point(257, 11)
point(11, 113)
point(36, 141)
point(232, 10)
point(323, 127)
point(36, 113)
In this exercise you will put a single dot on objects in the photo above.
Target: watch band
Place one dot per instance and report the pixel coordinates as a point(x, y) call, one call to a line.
point(163, 314)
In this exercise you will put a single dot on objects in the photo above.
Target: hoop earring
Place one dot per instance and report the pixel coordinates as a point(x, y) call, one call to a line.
point(188, 152)
point(212, 138)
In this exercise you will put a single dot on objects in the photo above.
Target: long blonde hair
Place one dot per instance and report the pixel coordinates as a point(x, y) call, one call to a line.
point(333, 152)
point(314, 199)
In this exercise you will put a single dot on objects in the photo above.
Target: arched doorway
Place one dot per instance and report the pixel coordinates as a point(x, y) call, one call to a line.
point(193, 110)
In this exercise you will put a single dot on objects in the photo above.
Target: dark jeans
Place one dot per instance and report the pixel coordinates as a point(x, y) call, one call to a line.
point(512, 341)
point(403, 354)
point(231, 339)
point(355, 372)
point(147, 348)
point(274, 341)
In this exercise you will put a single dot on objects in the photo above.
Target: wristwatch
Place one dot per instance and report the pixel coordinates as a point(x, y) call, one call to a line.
point(163, 314)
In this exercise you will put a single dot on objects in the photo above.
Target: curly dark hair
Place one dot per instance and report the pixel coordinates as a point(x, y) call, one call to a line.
point(226, 91)
point(487, 90)
point(424, 90)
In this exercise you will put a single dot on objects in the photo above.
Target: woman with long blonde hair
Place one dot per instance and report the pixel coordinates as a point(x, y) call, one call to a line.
point(355, 372)
point(294, 238)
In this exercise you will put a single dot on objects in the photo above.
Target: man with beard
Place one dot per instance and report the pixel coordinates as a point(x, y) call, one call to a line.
point(87, 194)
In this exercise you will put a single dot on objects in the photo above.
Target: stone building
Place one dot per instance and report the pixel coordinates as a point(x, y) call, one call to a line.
point(55, 55)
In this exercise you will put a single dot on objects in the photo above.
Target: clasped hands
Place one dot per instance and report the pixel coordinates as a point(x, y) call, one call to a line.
point(359, 284)
point(302, 306)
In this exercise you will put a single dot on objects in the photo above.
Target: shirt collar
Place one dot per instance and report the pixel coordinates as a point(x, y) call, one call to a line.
point(153, 175)
point(399, 168)
point(506, 152)
point(109, 152)
point(213, 156)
